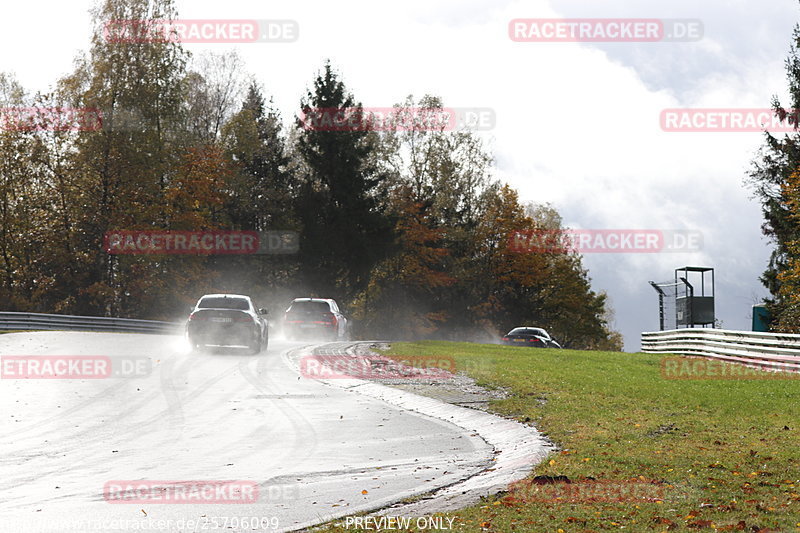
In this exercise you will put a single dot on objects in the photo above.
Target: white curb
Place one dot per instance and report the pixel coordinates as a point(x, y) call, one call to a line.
point(517, 447)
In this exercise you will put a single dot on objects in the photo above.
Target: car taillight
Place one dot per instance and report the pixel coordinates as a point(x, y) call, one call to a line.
point(505, 338)
point(196, 317)
point(244, 318)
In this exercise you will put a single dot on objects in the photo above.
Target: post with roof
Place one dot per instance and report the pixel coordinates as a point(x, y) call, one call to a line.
point(693, 309)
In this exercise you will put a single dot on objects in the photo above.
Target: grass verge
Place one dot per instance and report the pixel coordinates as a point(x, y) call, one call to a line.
point(640, 452)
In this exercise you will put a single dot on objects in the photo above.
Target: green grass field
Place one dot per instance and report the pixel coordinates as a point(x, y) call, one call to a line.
point(642, 452)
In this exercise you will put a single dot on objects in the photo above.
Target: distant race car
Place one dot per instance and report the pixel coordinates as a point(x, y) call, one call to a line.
point(527, 336)
point(228, 320)
point(315, 318)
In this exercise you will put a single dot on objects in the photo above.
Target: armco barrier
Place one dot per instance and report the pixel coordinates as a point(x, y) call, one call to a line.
point(775, 351)
point(38, 321)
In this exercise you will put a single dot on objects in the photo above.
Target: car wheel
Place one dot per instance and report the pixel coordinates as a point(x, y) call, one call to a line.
point(196, 346)
point(255, 346)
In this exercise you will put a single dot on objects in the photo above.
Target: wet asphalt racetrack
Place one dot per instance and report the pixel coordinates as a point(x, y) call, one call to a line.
point(314, 452)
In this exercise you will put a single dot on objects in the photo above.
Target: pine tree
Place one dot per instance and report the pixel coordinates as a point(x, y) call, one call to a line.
point(771, 174)
point(344, 230)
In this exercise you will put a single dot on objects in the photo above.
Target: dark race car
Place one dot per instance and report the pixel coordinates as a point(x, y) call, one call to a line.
point(314, 318)
point(527, 336)
point(227, 320)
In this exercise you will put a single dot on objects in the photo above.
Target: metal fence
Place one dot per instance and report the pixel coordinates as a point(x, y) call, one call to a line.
point(775, 351)
point(39, 321)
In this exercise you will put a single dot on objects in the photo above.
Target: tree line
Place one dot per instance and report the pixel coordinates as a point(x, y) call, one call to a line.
point(405, 227)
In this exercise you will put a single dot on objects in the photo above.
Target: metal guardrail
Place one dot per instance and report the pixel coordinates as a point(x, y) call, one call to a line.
point(775, 351)
point(39, 321)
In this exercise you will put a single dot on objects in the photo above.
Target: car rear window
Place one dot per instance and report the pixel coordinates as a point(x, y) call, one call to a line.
point(315, 307)
point(224, 303)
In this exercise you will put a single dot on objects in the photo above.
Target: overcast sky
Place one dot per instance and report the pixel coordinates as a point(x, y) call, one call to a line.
point(577, 123)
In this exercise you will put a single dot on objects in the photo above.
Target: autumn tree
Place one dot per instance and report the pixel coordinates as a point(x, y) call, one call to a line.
point(788, 279)
point(17, 182)
point(403, 298)
point(546, 287)
point(162, 286)
point(124, 168)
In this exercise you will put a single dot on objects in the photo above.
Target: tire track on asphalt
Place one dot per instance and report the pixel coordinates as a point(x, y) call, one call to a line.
point(81, 445)
point(262, 381)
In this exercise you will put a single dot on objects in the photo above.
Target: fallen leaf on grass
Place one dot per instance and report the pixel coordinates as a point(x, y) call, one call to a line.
point(740, 526)
point(510, 501)
point(665, 522)
point(700, 524)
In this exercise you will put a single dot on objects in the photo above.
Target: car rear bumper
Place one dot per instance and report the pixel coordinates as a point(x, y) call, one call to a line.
point(308, 329)
point(222, 334)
